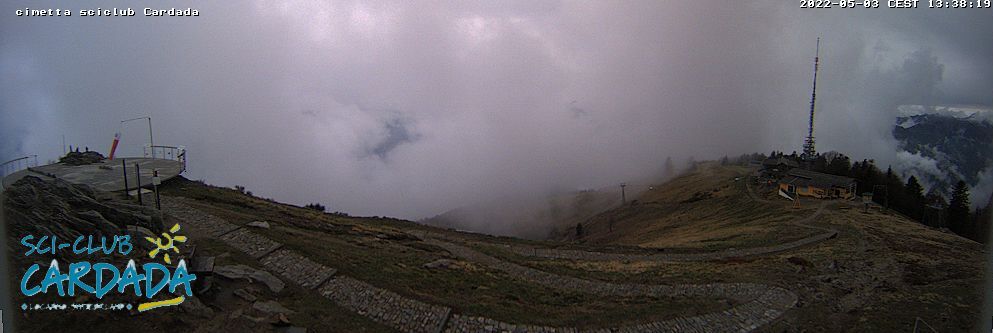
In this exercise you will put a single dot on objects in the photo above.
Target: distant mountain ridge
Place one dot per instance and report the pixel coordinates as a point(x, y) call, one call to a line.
point(944, 144)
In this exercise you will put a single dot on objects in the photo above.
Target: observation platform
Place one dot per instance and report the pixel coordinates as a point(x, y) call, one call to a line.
point(106, 175)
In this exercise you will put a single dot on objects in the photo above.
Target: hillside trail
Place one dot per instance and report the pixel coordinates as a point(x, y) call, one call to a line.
point(569, 254)
point(762, 304)
point(759, 304)
point(802, 222)
point(858, 277)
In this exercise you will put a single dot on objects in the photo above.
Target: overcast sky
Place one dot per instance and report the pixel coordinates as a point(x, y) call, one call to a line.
point(411, 108)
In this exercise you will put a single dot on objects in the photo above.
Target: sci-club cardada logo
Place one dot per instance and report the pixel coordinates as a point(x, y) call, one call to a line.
point(152, 279)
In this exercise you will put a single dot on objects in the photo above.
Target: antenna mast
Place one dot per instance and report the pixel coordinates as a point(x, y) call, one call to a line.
point(809, 152)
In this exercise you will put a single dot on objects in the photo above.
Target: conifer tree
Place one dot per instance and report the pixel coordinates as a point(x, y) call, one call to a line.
point(958, 209)
point(913, 198)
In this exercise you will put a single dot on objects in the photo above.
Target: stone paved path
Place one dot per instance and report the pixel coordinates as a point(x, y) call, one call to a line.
point(298, 268)
point(250, 242)
point(762, 304)
point(394, 310)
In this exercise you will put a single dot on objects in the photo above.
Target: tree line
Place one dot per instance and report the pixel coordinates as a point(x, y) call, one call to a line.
point(934, 208)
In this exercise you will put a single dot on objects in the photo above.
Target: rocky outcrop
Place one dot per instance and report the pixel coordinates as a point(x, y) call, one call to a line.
point(259, 224)
point(235, 272)
point(54, 207)
point(84, 158)
point(440, 263)
point(271, 307)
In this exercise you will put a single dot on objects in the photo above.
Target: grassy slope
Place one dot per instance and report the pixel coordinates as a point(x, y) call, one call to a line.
point(703, 209)
point(879, 274)
point(381, 252)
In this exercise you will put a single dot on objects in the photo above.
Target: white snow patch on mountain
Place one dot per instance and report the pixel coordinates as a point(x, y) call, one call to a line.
point(965, 112)
point(906, 122)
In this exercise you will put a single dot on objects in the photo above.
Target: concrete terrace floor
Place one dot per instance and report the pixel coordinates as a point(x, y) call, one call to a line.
point(107, 175)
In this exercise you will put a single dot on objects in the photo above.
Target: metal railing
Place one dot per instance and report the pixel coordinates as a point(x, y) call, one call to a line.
point(176, 153)
point(918, 321)
point(16, 165)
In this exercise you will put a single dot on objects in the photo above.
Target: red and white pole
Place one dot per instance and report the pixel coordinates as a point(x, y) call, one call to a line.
point(113, 146)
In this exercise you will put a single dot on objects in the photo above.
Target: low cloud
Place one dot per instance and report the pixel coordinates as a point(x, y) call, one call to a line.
point(411, 109)
point(922, 167)
point(980, 194)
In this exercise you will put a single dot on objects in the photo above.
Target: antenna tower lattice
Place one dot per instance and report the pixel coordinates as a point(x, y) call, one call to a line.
point(809, 153)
